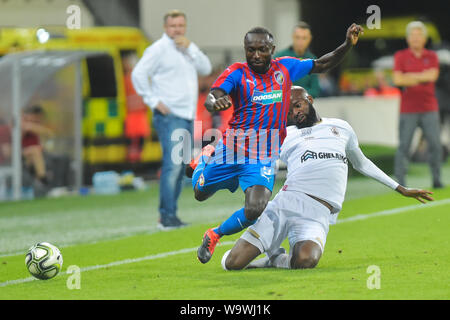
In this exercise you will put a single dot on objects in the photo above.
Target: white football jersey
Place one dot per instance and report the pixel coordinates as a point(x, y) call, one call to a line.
point(317, 158)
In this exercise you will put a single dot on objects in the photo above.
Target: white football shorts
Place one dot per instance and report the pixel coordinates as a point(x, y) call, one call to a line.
point(291, 214)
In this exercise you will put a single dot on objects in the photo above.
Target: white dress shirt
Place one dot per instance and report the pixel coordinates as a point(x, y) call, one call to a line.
point(173, 76)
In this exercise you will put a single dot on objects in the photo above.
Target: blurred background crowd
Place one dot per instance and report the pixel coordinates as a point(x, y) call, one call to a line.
point(65, 70)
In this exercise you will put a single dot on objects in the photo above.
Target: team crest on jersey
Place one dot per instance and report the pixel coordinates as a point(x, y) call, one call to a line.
point(335, 131)
point(279, 78)
point(306, 131)
point(267, 97)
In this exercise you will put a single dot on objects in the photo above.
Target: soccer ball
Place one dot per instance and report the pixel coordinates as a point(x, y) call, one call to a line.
point(44, 261)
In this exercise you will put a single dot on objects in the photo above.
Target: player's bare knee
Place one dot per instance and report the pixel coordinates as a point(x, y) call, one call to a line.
point(200, 196)
point(232, 262)
point(251, 213)
point(256, 199)
point(304, 262)
point(253, 210)
point(306, 255)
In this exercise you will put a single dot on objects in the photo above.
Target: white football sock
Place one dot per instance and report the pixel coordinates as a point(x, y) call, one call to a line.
point(282, 261)
point(260, 263)
point(225, 255)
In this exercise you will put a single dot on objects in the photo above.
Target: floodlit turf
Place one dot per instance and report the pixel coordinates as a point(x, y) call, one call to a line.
point(114, 241)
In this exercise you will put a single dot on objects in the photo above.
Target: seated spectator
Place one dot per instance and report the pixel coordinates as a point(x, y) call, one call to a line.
point(383, 88)
point(203, 115)
point(5, 143)
point(32, 151)
point(137, 124)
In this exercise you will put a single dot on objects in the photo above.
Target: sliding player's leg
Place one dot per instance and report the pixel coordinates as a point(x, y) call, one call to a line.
point(305, 254)
point(307, 233)
point(305, 223)
point(266, 235)
point(240, 255)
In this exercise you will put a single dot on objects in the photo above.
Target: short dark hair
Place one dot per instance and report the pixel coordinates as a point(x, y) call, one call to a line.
point(35, 109)
point(302, 25)
point(259, 30)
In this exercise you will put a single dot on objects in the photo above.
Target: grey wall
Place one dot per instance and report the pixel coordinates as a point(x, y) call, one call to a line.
point(218, 23)
point(33, 13)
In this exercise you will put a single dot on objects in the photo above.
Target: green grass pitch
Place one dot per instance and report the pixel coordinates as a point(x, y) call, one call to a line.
point(115, 243)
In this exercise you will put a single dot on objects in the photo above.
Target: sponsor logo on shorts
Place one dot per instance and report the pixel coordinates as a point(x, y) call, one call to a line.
point(267, 172)
point(323, 155)
point(267, 97)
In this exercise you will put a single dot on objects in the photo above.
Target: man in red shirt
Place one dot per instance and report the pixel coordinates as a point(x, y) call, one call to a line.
point(416, 69)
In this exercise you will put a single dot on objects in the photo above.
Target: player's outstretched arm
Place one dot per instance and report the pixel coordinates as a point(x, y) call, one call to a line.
point(369, 169)
point(332, 59)
point(419, 194)
point(363, 165)
point(217, 100)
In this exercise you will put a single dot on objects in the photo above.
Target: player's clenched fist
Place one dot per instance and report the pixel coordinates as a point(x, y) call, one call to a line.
point(353, 33)
point(217, 104)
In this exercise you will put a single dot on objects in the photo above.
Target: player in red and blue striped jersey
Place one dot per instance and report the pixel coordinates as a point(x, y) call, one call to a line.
point(260, 91)
point(260, 101)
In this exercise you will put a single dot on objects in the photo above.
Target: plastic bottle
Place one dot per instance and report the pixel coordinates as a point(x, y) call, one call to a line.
point(106, 182)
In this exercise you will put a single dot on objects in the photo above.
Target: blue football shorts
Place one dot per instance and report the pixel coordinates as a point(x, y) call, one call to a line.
point(218, 175)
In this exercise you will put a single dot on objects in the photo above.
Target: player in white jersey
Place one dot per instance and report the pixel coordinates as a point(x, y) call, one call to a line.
point(316, 152)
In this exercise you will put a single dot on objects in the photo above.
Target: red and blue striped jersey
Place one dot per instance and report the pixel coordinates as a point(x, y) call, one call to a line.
point(261, 104)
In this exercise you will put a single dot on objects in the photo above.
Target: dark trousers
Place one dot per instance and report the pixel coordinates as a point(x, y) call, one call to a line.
point(430, 125)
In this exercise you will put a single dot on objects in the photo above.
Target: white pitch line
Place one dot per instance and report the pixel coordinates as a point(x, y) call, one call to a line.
point(394, 211)
point(188, 250)
point(117, 263)
point(149, 230)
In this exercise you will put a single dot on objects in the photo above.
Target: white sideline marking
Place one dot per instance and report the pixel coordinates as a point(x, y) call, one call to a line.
point(394, 211)
point(188, 250)
point(149, 230)
point(116, 263)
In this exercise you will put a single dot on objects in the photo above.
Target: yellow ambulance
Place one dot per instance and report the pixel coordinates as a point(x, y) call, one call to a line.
point(104, 87)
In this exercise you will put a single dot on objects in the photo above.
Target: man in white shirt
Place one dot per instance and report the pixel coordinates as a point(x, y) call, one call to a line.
point(172, 63)
point(316, 152)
